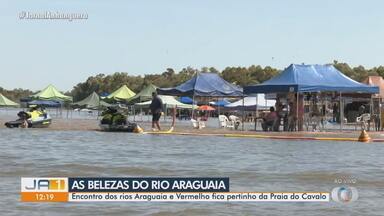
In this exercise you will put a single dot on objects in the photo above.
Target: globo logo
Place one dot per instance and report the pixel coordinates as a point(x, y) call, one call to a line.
point(344, 194)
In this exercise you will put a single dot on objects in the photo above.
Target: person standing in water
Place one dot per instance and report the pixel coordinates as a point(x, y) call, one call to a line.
point(156, 108)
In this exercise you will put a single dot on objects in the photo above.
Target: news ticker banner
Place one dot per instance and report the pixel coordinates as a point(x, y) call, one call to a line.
point(153, 189)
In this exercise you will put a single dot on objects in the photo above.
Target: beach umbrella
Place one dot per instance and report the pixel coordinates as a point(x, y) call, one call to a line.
point(206, 108)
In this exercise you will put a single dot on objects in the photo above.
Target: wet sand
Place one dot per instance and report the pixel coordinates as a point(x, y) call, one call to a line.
point(185, 128)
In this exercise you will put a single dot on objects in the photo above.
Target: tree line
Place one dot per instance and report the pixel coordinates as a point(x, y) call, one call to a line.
point(241, 76)
point(108, 83)
point(16, 93)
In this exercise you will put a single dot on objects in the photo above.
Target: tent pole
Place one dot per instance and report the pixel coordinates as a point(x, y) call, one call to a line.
point(380, 106)
point(341, 113)
point(297, 110)
point(371, 112)
point(218, 109)
point(134, 113)
point(98, 110)
point(242, 119)
point(379, 114)
point(256, 113)
point(193, 101)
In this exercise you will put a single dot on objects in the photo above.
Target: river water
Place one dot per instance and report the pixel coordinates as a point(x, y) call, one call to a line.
point(252, 164)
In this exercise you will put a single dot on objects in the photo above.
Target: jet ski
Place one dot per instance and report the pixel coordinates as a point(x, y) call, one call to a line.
point(115, 121)
point(129, 127)
point(34, 118)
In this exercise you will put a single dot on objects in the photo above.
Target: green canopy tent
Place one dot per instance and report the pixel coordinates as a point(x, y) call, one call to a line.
point(143, 95)
point(51, 93)
point(122, 94)
point(4, 101)
point(92, 101)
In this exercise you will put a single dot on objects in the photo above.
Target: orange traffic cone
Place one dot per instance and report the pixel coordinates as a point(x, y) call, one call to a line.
point(364, 137)
point(138, 129)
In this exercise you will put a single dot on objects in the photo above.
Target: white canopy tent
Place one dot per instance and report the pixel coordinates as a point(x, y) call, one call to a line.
point(169, 102)
point(252, 102)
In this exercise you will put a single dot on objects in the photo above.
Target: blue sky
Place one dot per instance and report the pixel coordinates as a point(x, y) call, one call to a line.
point(143, 37)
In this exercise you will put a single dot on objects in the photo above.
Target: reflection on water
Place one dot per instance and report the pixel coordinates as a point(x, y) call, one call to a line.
point(251, 164)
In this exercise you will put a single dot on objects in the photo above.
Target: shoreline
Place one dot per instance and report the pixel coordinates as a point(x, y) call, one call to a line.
point(186, 129)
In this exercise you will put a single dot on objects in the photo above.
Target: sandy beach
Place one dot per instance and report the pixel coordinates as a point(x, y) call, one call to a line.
point(63, 124)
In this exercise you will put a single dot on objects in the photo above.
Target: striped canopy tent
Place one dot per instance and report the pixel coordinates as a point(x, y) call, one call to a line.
point(51, 93)
point(122, 94)
point(4, 101)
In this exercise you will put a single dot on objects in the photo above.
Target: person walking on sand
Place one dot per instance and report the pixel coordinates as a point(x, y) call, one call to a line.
point(156, 108)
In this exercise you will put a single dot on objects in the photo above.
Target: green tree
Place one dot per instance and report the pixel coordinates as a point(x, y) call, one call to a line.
point(16, 94)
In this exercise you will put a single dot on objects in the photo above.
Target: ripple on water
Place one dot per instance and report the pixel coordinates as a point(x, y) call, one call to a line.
point(251, 164)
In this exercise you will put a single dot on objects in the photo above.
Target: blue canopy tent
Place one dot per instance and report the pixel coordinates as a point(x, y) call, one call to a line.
point(310, 78)
point(46, 103)
point(220, 103)
point(205, 85)
point(186, 100)
point(104, 94)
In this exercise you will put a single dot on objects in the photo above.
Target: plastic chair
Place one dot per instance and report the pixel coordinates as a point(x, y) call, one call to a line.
point(363, 119)
point(197, 124)
point(223, 120)
point(234, 121)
